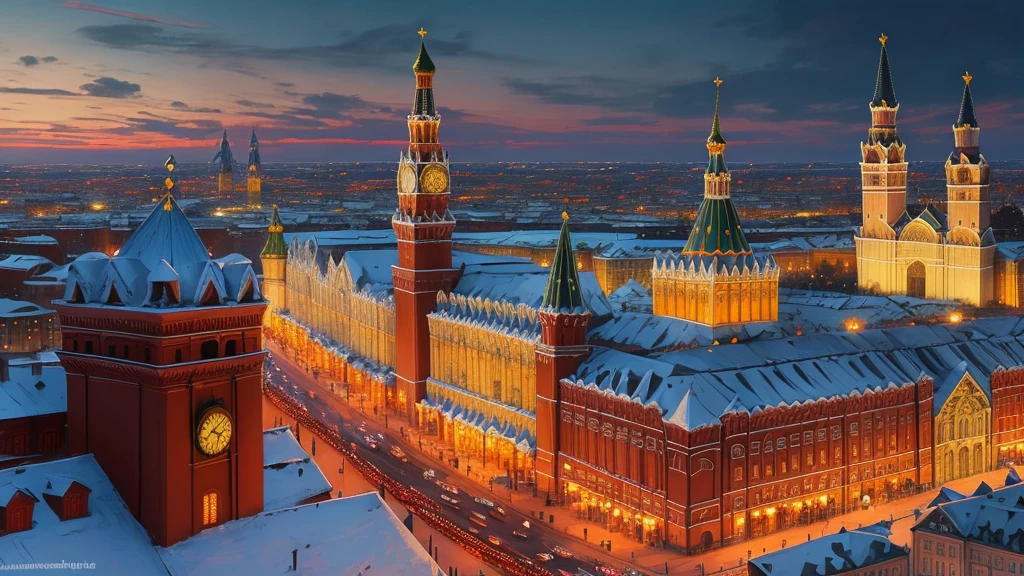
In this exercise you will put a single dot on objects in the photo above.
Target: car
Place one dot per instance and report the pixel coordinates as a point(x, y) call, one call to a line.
point(361, 428)
point(397, 453)
point(544, 557)
point(478, 521)
point(380, 435)
point(608, 570)
point(448, 487)
point(428, 474)
point(519, 534)
point(561, 552)
point(371, 445)
point(494, 540)
point(473, 530)
point(484, 501)
point(498, 513)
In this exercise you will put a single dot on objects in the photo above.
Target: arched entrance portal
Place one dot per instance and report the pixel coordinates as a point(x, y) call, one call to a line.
point(915, 279)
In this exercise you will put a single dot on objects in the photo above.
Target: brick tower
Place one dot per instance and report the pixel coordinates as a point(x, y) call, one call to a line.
point(423, 226)
point(163, 349)
point(563, 346)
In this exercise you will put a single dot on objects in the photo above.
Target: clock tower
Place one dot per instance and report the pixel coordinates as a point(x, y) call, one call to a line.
point(423, 226)
point(163, 349)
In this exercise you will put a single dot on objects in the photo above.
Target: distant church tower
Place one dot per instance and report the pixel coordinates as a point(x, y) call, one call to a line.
point(945, 256)
point(254, 176)
point(562, 348)
point(883, 166)
point(423, 226)
point(274, 258)
point(716, 280)
point(225, 179)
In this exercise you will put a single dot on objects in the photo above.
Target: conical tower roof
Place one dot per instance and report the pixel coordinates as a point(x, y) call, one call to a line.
point(423, 64)
point(165, 234)
point(252, 139)
point(884, 92)
point(563, 292)
point(967, 117)
point(275, 245)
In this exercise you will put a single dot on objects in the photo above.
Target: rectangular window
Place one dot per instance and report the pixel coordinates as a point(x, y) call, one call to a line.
point(780, 443)
point(808, 437)
point(738, 475)
point(794, 439)
point(940, 549)
point(755, 448)
point(821, 435)
point(836, 432)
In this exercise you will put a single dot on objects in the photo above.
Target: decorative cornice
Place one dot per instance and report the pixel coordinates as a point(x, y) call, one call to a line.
point(159, 376)
point(161, 323)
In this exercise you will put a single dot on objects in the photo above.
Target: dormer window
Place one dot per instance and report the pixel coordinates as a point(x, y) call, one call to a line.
point(16, 506)
point(164, 293)
point(69, 499)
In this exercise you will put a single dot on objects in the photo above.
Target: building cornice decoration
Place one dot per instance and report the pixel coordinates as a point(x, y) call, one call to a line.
point(159, 376)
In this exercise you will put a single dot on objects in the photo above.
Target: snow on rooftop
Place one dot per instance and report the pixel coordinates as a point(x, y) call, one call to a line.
point(23, 262)
point(351, 535)
point(108, 536)
point(289, 475)
point(10, 307)
point(846, 551)
point(163, 264)
point(40, 239)
point(26, 394)
point(539, 238)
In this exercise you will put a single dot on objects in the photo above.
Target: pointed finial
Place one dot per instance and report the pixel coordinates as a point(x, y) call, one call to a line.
point(422, 32)
point(718, 82)
point(882, 39)
point(565, 215)
point(167, 202)
point(967, 77)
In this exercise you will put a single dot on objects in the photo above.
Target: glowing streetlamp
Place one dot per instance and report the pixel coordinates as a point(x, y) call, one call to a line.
point(955, 318)
point(853, 325)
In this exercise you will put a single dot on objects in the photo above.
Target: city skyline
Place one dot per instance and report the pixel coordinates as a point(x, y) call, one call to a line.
point(127, 82)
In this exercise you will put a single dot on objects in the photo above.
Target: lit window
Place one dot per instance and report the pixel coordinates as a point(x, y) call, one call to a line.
point(210, 508)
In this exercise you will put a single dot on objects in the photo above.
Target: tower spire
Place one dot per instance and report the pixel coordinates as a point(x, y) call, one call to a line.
point(563, 293)
point(275, 245)
point(967, 117)
point(716, 142)
point(885, 95)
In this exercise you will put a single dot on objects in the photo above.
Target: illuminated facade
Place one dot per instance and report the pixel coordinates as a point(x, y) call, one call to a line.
point(254, 176)
point(933, 255)
point(274, 258)
point(717, 280)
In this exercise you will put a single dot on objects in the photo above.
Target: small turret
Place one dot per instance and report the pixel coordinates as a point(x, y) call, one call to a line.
point(424, 69)
point(716, 142)
point(225, 180)
point(275, 245)
point(254, 176)
point(274, 258)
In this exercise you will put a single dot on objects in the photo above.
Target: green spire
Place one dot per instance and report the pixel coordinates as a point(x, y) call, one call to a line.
point(563, 293)
point(423, 64)
point(884, 92)
point(275, 245)
point(967, 117)
point(716, 142)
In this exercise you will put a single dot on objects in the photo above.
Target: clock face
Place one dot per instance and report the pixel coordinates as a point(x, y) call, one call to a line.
point(406, 179)
point(213, 434)
point(434, 179)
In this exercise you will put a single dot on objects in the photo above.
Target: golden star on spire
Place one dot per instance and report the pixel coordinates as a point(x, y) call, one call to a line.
point(882, 39)
point(967, 77)
point(422, 32)
point(718, 81)
point(565, 215)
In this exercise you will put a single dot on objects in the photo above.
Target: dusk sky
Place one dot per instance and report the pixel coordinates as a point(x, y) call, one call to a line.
point(119, 81)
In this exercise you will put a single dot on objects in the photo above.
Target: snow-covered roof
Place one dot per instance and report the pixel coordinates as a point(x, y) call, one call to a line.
point(846, 551)
point(39, 239)
point(289, 476)
point(539, 238)
point(994, 518)
point(23, 262)
point(163, 264)
point(788, 371)
point(108, 536)
point(521, 282)
point(945, 386)
point(817, 311)
point(355, 535)
point(10, 308)
point(26, 394)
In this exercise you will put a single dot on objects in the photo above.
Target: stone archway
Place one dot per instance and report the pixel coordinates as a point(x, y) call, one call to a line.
point(916, 279)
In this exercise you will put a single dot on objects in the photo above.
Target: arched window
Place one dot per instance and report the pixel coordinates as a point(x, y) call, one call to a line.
point(210, 508)
point(737, 451)
point(209, 349)
point(706, 464)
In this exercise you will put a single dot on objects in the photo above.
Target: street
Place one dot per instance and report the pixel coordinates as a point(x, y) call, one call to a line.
point(462, 495)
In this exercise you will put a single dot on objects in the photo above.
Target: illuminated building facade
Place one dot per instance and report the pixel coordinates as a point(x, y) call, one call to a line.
point(933, 255)
point(717, 280)
point(225, 178)
point(274, 258)
point(254, 176)
point(163, 349)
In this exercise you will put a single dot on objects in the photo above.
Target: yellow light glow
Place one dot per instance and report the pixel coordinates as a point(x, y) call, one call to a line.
point(823, 500)
point(853, 325)
point(567, 467)
point(740, 521)
point(770, 512)
point(97, 206)
point(756, 514)
point(616, 513)
point(955, 318)
point(218, 213)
